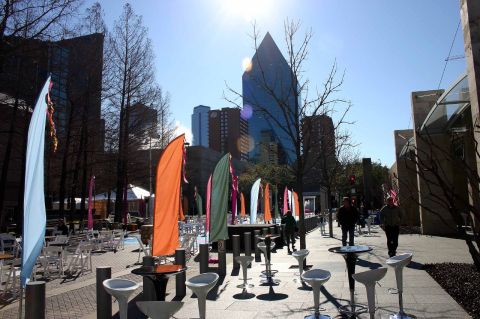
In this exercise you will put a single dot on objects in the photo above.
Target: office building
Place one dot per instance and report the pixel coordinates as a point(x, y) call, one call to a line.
point(200, 126)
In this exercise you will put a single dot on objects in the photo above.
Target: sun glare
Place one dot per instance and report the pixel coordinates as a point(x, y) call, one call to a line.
point(247, 9)
point(247, 64)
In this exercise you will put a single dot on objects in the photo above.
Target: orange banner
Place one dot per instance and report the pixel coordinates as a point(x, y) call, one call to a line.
point(242, 203)
point(297, 205)
point(167, 199)
point(266, 199)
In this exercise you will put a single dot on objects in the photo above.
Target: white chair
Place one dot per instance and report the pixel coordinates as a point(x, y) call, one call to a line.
point(51, 260)
point(8, 244)
point(81, 260)
point(159, 309)
point(12, 268)
point(398, 263)
point(121, 289)
point(316, 278)
point(369, 279)
point(244, 262)
point(142, 249)
point(300, 256)
point(201, 285)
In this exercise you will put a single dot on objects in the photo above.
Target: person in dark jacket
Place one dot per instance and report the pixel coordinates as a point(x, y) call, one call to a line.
point(391, 218)
point(347, 217)
point(290, 227)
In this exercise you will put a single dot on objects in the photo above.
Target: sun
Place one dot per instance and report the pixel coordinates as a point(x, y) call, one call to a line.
point(247, 9)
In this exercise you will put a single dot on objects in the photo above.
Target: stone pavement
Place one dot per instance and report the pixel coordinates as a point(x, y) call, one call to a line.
point(423, 297)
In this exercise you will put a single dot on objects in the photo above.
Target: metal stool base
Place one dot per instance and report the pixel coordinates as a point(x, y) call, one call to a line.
point(399, 315)
point(317, 317)
point(243, 286)
point(352, 310)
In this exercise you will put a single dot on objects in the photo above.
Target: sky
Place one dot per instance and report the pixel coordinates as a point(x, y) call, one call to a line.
point(387, 49)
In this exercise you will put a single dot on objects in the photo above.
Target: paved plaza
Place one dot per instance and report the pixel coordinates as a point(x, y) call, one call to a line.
point(423, 297)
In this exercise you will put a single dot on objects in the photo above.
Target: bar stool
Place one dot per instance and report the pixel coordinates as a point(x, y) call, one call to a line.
point(201, 285)
point(159, 309)
point(300, 256)
point(121, 289)
point(244, 262)
point(369, 279)
point(398, 263)
point(316, 278)
point(268, 272)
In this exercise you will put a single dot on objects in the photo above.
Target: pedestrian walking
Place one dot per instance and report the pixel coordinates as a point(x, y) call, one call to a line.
point(290, 227)
point(390, 218)
point(347, 217)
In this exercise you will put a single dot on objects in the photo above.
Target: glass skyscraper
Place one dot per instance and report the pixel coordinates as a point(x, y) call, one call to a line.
point(267, 89)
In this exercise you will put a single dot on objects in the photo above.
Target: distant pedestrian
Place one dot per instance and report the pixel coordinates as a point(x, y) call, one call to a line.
point(290, 227)
point(347, 217)
point(390, 218)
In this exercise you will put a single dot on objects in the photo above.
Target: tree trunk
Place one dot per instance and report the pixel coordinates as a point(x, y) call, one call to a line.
point(63, 173)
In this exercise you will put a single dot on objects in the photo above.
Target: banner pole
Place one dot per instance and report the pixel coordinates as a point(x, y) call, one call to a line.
point(20, 303)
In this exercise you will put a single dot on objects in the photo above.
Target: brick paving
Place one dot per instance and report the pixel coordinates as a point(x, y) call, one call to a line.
point(423, 297)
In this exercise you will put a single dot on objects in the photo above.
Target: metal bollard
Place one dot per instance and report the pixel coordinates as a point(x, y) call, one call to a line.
point(149, 292)
point(148, 261)
point(247, 242)
point(203, 258)
point(180, 279)
point(222, 257)
point(104, 299)
point(236, 250)
point(35, 300)
point(258, 254)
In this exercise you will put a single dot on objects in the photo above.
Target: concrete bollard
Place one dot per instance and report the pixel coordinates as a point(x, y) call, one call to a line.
point(35, 300)
point(236, 250)
point(104, 299)
point(180, 279)
point(258, 253)
point(247, 237)
point(149, 292)
point(222, 257)
point(203, 258)
point(148, 261)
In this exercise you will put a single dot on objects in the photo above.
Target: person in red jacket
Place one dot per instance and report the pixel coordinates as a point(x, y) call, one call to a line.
point(348, 217)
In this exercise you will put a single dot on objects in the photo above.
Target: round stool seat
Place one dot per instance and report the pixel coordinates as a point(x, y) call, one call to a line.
point(301, 254)
point(316, 277)
point(244, 261)
point(400, 260)
point(201, 285)
point(159, 309)
point(121, 289)
point(263, 247)
point(370, 276)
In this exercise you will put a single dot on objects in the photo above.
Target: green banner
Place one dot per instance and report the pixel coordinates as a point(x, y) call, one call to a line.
point(219, 202)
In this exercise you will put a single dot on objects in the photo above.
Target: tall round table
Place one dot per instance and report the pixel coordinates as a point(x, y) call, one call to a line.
point(350, 254)
point(158, 275)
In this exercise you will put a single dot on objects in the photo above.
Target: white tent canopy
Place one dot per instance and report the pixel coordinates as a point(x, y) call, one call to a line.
point(133, 192)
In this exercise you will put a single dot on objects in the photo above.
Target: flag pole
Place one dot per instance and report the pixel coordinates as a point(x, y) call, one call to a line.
point(20, 303)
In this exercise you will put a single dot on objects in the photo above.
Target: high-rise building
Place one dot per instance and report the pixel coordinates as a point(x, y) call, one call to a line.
point(267, 89)
point(142, 126)
point(200, 125)
point(228, 132)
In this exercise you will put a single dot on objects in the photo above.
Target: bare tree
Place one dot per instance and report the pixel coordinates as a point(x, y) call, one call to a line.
point(132, 81)
point(296, 101)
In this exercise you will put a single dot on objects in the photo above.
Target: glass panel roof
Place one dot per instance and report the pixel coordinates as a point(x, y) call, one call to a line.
point(448, 106)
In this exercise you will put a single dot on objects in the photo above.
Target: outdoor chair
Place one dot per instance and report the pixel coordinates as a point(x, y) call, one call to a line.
point(81, 260)
point(369, 279)
point(121, 289)
point(51, 260)
point(8, 244)
point(268, 266)
point(12, 268)
point(159, 309)
point(57, 233)
point(201, 285)
point(398, 263)
point(316, 278)
point(146, 250)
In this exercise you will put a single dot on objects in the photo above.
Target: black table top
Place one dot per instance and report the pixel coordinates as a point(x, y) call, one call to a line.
point(158, 270)
point(350, 249)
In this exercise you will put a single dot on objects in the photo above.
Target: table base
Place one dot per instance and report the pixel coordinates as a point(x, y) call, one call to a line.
point(154, 288)
point(352, 310)
point(400, 315)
